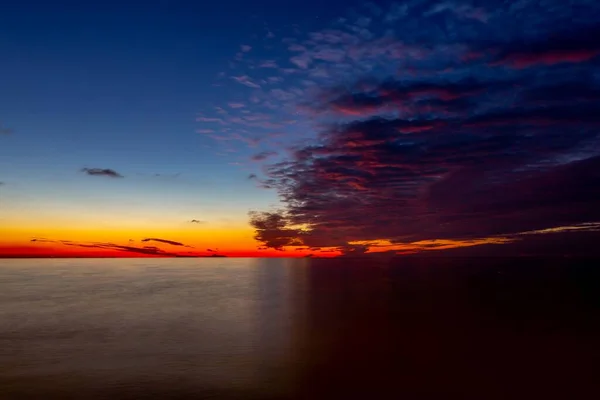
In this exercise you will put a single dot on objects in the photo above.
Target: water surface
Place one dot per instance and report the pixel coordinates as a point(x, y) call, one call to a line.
point(277, 328)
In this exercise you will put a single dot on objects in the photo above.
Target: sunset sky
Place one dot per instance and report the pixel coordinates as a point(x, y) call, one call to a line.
point(289, 128)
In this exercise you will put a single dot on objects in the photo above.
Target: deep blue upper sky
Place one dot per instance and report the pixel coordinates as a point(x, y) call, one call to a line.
point(120, 84)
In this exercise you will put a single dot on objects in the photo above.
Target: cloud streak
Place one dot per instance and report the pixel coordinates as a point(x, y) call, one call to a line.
point(165, 241)
point(101, 172)
point(246, 81)
point(154, 251)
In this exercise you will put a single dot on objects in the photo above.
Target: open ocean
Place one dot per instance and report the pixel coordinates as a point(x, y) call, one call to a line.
point(414, 328)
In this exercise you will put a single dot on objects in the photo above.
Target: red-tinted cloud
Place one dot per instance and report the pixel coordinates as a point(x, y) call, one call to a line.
point(525, 60)
point(559, 48)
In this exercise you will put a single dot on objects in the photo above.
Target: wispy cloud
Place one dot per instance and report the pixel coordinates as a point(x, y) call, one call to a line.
point(210, 119)
point(460, 10)
point(246, 81)
point(268, 64)
point(263, 155)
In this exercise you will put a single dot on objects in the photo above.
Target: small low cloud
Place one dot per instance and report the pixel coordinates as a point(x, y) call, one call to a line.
point(42, 240)
point(197, 221)
point(171, 242)
point(102, 172)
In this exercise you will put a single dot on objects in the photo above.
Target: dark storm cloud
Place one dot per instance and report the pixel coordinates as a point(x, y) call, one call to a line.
point(102, 172)
point(504, 142)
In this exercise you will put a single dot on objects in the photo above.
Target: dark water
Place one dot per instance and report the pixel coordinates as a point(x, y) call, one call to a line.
point(299, 329)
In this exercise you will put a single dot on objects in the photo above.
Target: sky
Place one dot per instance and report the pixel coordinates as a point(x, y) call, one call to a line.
point(299, 128)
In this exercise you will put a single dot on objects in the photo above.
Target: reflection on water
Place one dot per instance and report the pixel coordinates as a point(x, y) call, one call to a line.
point(277, 328)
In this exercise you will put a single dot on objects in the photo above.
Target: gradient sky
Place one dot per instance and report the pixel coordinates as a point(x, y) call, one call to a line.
point(341, 127)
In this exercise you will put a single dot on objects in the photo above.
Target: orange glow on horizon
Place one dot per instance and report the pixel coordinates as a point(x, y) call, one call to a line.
point(64, 243)
point(26, 251)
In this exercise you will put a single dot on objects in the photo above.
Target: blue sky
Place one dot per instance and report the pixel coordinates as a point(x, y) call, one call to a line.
point(121, 84)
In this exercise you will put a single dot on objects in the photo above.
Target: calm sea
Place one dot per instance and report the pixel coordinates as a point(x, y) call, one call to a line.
point(299, 329)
